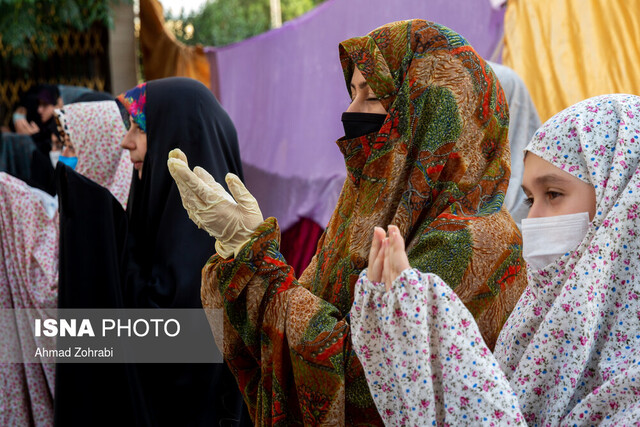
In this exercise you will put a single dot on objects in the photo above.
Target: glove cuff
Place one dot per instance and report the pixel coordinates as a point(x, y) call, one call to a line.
point(223, 250)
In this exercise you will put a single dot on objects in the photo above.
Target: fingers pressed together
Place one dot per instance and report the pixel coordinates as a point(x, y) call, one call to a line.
point(388, 257)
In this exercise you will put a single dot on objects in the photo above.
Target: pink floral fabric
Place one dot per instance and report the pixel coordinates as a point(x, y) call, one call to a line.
point(424, 357)
point(96, 130)
point(29, 231)
point(28, 279)
point(581, 364)
point(569, 354)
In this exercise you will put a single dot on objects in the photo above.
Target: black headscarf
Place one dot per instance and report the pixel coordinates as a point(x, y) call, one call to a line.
point(93, 96)
point(90, 277)
point(167, 246)
point(169, 250)
point(41, 168)
point(163, 255)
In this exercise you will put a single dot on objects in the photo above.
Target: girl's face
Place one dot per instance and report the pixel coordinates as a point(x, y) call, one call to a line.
point(363, 100)
point(67, 147)
point(136, 142)
point(552, 191)
point(68, 150)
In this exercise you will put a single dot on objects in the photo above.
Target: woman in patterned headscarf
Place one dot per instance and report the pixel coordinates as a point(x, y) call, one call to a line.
point(569, 353)
point(436, 165)
point(29, 251)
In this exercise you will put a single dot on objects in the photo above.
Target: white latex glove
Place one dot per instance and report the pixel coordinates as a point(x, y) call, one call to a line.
point(211, 208)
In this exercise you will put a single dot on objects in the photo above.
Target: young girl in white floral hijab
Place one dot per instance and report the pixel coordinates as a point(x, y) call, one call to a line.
point(569, 354)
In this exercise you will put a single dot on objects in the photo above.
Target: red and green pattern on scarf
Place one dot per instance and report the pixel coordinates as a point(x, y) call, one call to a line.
point(438, 169)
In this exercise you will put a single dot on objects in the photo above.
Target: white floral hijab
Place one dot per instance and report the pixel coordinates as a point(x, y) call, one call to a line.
point(573, 340)
point(96, 130)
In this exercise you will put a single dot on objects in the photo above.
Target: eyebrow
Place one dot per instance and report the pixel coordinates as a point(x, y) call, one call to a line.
point(548, 179)
point(362, 85)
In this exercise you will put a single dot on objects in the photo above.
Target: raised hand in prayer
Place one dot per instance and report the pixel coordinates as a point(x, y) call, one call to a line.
point(230, 220)
point(388, 257)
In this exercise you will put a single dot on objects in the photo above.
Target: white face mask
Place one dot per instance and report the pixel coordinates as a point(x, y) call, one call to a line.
point(53, 156)
point(544, 240)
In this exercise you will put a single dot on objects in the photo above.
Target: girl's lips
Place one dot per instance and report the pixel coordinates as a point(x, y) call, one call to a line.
point(137, 165)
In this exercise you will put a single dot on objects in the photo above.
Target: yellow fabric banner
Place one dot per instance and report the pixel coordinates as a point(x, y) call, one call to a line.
point(569, 50)
point(162, 54)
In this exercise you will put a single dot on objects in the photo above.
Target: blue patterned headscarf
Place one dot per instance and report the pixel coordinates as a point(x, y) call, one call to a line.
point(135, 101)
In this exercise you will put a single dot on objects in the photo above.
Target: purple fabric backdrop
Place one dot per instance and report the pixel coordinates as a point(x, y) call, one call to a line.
point(285, 92)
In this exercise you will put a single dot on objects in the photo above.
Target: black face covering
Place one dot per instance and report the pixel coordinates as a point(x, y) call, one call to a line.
point(359, 124)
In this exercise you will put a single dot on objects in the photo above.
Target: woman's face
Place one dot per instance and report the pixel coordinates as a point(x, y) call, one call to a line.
point(136, 142)
point(552, 191)
point(363, 100)
point(68, 150)
point(67, 147)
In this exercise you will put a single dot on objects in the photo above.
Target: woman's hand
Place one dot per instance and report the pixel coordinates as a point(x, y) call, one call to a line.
point(387, 258)
point(26, 128)
point(230, 220)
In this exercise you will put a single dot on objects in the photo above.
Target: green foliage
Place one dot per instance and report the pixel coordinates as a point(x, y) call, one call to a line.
point(221, 22)
point(293, 8)
point(29, 27)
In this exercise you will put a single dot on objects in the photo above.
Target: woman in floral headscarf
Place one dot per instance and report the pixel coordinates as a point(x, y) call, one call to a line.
point(569, 353)
point(436, 165)
point(29, 231)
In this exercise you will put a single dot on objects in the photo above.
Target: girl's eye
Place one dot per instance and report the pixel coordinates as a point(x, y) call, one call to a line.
point(553, 194)
point(528, 201)
point(372, 99)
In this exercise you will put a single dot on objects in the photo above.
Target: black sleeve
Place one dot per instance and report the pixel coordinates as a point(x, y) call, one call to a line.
point(97, 268)
point(93, 229)
point(42, 173)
